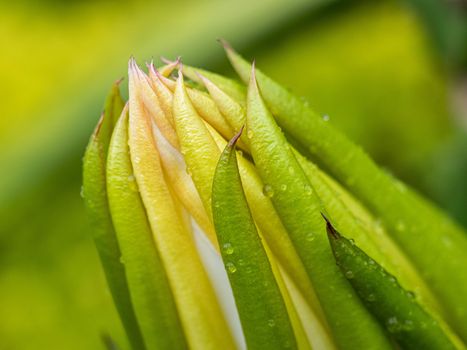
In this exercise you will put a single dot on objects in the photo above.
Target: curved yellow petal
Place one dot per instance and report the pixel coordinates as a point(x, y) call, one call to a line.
point(199, 310)
point(142, 88)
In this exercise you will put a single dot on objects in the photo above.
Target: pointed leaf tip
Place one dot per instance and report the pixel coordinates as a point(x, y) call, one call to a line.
point(99, 124)
point(225, 44)
point(234, 139)
point(332, 232)
point(167, 61)
point(119, 81)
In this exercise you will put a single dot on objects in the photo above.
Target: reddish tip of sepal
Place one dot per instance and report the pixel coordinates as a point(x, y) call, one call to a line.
point(234, 139)
point(332, 232)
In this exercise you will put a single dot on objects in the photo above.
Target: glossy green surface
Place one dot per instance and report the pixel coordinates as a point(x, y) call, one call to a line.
point(95, 197)
point(394, 307)
point(151, 294)
point(299, 209)
point(408, 217)
point(262, 311)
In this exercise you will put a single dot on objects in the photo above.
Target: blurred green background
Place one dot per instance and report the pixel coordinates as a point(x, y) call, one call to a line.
point(392, 75)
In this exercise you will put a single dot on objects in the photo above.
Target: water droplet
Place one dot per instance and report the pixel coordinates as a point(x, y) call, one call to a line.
point(81, 192)
point(447, 241)
point(326, 117)
point(392, 324)
point(271, 323)
point(132, 183)
point(392, 279)
point(349, 274)
point(122, 260)
point(352, 241)
point(310, 237)
point(231, 268)
point(283, 187)
point(400, 226)
point(228, 248)
point(411, 295)
point(378, 225)
point(371, 297)
point(268, 191)
point(307, 189)
point(408, 325)
point(401, 187)
point(250, 134)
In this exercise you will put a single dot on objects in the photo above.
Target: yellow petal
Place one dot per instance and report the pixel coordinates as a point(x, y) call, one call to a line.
point(199, 310)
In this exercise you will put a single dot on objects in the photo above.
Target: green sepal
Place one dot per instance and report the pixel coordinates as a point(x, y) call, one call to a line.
point(409, 218)
point(149, 287)
point(394, 307)
point(95, 198)
point(262, 310)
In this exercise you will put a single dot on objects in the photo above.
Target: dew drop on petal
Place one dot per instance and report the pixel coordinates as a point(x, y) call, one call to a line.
point(400, 226)
point(408, 325)
point(283, 187)
point(310, 237)
point(349, 274)
point(132, 183)
point(447, 241)
point(392, 324)
point(268, 191)
point(227, 248)
point(231, 268)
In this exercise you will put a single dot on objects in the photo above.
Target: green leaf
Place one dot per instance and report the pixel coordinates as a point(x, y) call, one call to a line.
point(262, 311)
point(394, 307)
point(409, 218)
point(149, 287)
point(95, 198)
point(299, 209)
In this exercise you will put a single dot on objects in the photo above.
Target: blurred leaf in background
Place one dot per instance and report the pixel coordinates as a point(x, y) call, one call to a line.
point(371, 67)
